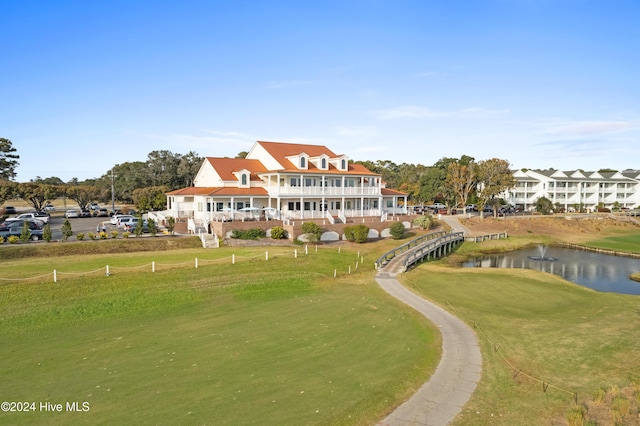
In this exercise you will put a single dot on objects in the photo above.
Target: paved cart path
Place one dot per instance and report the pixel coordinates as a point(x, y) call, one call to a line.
point(440, 399)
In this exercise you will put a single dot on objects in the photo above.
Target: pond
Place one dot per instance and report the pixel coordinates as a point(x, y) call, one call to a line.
point(597, 271)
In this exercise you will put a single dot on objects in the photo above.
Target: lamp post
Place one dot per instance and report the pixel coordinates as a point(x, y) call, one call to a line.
point(113, 197)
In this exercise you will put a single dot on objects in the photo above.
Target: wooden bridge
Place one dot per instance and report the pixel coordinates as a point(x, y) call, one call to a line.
point(434, 245)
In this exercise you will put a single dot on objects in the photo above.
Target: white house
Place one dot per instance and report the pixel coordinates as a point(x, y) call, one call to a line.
point(284, 181)
point(575, 190)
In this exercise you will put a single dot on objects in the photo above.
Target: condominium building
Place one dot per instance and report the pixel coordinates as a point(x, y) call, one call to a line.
point(576, 190)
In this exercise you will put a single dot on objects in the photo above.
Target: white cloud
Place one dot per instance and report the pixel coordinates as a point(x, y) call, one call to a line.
point(587, 128)
point(414, 111)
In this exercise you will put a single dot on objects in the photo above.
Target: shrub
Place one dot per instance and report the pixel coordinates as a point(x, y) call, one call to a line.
point(1, 239)
point(92, 236)
point(170, 224)
point(424, 221)
point(313, 229)
point(103, 235)
point(357, 233)
point(139, 226)
point(277, 233)
point(13, 239)
point(575, 417)
point(80, 236)
point(397, 230)
point(26, 232)
point(153, 228)
point(66, 230)
point(126, 234)
point(249, 234)
point(47, 235)
point(114, 234)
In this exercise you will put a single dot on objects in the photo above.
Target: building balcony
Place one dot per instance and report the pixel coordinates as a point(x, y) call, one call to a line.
point(327, 191)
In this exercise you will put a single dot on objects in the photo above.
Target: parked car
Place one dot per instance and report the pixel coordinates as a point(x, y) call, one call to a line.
point(125, 220)
point(49, 208)
point(85, 213)
point(115, 217)
point(102, 212)
point(133, 224)
point(71, 214)
point(471, 208)
point(10, 210)
point(44, 217)
point(14, 228)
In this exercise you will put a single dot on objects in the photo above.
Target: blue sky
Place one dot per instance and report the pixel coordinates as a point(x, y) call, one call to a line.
point(86, 85)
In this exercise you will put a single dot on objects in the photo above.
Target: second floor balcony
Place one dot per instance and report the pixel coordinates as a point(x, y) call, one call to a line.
point(323, 191)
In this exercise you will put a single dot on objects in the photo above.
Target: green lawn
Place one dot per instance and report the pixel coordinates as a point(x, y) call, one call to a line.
point(256, 342)
point(538, 331)
point(626, 242)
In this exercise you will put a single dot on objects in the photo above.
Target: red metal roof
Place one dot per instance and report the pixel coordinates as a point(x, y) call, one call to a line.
point(225, 167)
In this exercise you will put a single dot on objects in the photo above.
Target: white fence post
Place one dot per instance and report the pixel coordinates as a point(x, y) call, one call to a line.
point(233, 259)
point(108, 271)
point(55, 276)
point(196, 263)
point(153, 266)
point(266, 255)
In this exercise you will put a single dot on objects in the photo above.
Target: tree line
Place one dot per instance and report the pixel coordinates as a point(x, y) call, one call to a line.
point(454, 182)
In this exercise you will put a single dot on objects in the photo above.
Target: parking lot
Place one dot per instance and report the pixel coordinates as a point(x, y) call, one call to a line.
point(82, 225)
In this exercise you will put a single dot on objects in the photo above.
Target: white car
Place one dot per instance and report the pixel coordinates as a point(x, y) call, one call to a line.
point(71, 213)
point(116, 217)
point(125, 220)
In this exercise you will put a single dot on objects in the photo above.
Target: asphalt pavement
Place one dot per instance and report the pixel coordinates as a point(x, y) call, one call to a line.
point(443, 397)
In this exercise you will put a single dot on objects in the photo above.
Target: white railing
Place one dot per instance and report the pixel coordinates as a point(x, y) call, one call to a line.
point(383, 218)
point(330, 217)
point(320, 191)
point(342, 217)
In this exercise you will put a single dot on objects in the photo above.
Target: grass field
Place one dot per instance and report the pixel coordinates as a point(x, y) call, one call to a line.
point(626, 242)
point(256, 342)
point(538, 331)
point(284, 342)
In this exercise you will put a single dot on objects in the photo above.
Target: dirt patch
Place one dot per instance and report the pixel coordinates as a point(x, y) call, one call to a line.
point(574, 229)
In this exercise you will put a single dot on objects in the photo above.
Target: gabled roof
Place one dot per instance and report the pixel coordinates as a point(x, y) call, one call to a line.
point(387, 191)
point(281, 152)
point(192, 190)
point(225, 167)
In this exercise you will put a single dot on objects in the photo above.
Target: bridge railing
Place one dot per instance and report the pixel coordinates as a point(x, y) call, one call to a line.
point(431, 247)
point(385, 258)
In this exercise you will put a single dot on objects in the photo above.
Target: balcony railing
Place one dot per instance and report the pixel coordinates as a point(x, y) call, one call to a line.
point(327, 191)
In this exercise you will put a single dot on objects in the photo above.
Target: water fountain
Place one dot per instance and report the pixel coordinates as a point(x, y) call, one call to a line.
point(542, 249)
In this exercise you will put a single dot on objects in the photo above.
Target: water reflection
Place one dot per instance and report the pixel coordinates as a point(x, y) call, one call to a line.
point(597, 271)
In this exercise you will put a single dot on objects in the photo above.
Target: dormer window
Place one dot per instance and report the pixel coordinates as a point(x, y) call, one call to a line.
point(303, 163)
point(343, 164)
point(323, 164)
point(244, 178)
